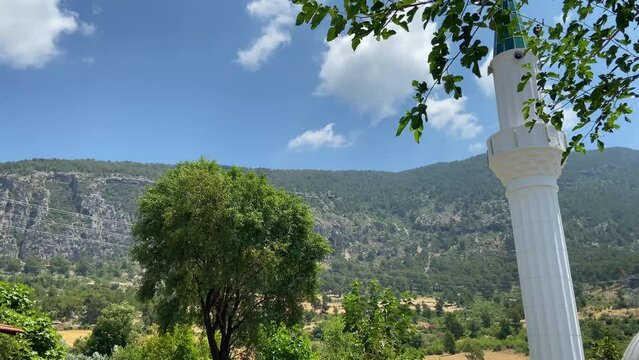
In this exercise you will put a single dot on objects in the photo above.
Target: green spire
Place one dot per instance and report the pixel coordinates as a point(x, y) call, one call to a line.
point(504, 38)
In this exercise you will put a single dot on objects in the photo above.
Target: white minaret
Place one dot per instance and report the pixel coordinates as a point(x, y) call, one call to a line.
point(528, 163)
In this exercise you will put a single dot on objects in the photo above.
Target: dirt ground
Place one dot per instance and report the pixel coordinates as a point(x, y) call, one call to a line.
point(488, 355)
point(70, 336)
point(432, 303)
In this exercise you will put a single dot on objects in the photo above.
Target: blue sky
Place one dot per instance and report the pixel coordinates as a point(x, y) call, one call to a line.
point(231, 80)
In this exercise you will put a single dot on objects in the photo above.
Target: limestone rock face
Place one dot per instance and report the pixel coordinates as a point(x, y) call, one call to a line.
point(43, 214)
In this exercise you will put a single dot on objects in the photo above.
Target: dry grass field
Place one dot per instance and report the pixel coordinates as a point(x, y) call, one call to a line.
point(432, 303)
point(70, 336)
point(630, 312)
point(488, 355)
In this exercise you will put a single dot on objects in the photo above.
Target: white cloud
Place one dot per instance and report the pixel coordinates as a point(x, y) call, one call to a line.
point(477, 147)
point(377, 77)
point(448, 115)
point(279, 16)
point(29, 31)
point(316, 139)
point(86, 29)
point(560, 18)
point(570, 119)
point(485, 82)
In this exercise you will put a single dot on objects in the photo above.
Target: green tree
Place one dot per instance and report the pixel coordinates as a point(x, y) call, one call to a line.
point(452, 324)
point(449, 343)
point(60, 265)
point(605, 349)
point(505, 329)
point(11, 264)
point(336, 343)
point(486, 318)
point(115, 327)
point(39, 341)
point(32, 266)
point(439, 307)
point(379, 320)
point(82, 267)
point(277, 342)
point(514, 310)
point(591, 62)
point(94, 303)
point(474, 327)
point(427, 313)
point(227, 248)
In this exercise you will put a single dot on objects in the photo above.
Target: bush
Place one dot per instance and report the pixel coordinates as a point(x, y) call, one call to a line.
point(449, 343)
point(11, 264)
point(60, 265)
point(517, 343)
point(337, 344)
point(115, 326)
point(39, 340)
point(177, 345)
point(435, 347)
point(277, 342)
point(11, 348)
point(32, 266)
point(475, 352)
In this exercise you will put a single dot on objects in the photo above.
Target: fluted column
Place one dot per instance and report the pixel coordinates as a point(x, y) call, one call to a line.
point(529, 163)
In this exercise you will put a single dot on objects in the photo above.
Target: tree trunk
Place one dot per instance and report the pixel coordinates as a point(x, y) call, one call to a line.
point(223, 352)
point(225, 348)
point(210, 336)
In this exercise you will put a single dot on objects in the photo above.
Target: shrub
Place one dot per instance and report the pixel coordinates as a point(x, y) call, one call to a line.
point(115, 326)
point(277, 342)
point(180, 344)
point(39, 340)
point(449, 343)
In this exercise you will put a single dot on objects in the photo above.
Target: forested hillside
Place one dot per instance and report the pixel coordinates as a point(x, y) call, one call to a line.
point(440, 227)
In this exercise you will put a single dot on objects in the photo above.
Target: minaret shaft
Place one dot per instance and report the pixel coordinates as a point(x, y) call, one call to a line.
point(544, 272)
point(528, 163)
point(506, 79)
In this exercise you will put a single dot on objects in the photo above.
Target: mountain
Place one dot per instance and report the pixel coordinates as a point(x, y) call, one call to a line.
point(443, 226)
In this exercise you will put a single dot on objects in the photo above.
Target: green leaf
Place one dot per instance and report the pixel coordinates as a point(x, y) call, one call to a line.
point(355, 42)
point(402, 123)
point(417, 135)
point(524, 81)
point(600, 145)
point(318, 17)
point(378, 5)
point(331, 34)
point(301, 17)
point(386, 33)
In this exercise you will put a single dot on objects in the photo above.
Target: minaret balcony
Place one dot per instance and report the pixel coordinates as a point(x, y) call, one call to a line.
point(522, 152)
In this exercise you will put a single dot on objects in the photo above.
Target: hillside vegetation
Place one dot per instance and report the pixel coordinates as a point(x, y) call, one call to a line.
point(443, 227)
